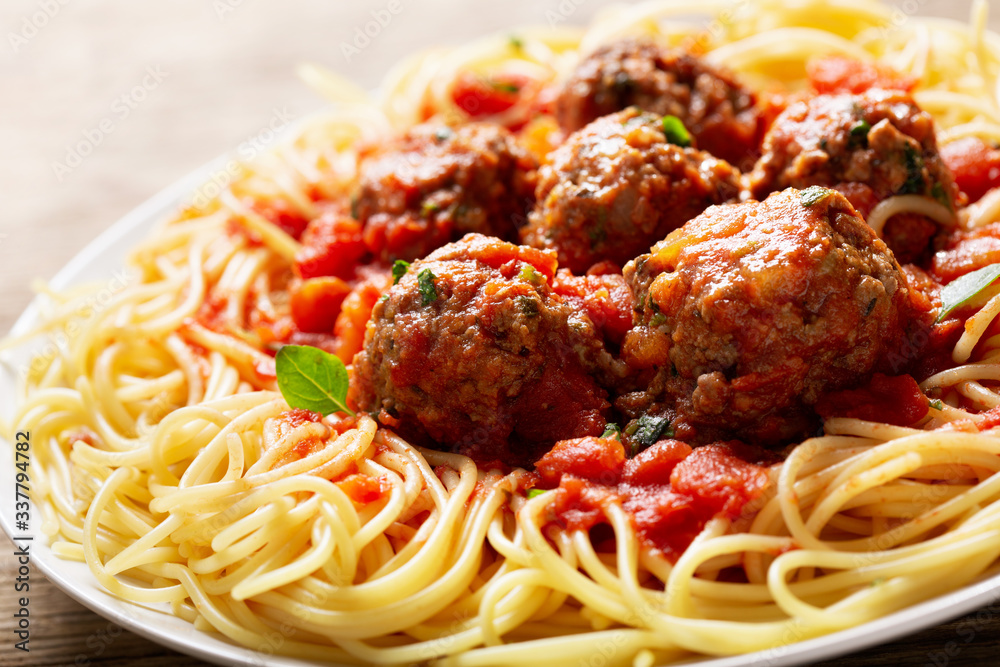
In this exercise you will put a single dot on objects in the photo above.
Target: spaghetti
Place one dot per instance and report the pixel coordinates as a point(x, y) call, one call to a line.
point(165, 459)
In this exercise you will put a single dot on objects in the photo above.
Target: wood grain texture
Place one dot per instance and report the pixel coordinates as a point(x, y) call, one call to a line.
point(211, 74)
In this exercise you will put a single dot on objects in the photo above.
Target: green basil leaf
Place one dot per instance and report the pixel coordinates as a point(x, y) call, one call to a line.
point(399, 269)
point(962, 289)
point(814, 194)
point(425, 283)
point(676, 133)
point(312, 379)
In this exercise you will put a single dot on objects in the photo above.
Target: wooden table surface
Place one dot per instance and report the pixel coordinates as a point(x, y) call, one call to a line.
point(150, 91)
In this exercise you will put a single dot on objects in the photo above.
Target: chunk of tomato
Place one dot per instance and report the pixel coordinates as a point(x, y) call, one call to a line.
point(316, 303)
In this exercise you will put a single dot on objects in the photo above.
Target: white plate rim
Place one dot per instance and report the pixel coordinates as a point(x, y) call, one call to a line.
point(107, 253)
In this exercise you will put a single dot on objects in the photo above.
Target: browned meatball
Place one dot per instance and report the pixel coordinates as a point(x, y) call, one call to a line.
point(617, 186)
point(436, 183)
point(718, 111)
point(474, 350)
point(750, 312)
point(880, 139)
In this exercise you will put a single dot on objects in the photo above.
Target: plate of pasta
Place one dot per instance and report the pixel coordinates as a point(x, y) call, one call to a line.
point(670, 339)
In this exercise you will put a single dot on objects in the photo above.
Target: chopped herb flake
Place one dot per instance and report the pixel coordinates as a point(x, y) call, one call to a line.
point(859, 133)
point(504, 87)
point(960, 290)
point(612, 431)
point(425, 283)
point(814, 194)
point(399, 269)
point(937, 191)
point(534, 493)
point(443, 133)
point(529, 274)
point(515, 42)
point(528, 306)
point(937, 404)
point(429, 207)
point(675, 131)
point(914, 184)
point(646, 430)
point(657, 320)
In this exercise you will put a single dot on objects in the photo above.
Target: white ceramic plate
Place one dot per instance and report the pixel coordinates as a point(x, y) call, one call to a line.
point(97, 261)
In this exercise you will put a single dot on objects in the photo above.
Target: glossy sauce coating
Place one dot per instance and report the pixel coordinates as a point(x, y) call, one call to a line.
point(617, 186)
point(474, 351)
point(435, 183)
point(879, 138)
point(750, 312)
point(715, 108)
point(669, 490)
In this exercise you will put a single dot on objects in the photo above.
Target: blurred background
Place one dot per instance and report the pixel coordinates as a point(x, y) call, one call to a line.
point(149, 91)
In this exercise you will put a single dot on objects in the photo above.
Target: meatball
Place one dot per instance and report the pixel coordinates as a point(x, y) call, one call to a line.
point(880, 139)
point(474, 351)
point(617, 186)
point(750, 312)
point(718, 111)
point(436, 183)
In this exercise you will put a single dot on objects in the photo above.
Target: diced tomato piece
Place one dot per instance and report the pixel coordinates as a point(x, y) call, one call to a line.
point(606, 299)
point(890, 400)
point(990, 420)
point(497, 256)
point(596, 459)
point(837, 74)
point(976, 166)
point(861, 196)
point(718, 480)
point(577, 503)
point(362, 488)
point(281, 213)
point(653, 465)
point(355, 313)
point(967, 252)
point(481, 96)
point(316, 303)
point(332, 245)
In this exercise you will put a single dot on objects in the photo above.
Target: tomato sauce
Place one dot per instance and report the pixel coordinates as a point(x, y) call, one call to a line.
point(669, 490)
point(890, 400)
point(975, 165)
point(837, 74)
